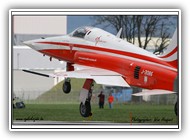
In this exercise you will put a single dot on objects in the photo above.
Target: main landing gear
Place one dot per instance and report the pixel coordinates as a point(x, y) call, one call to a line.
point(66, 86)
point(67, 83)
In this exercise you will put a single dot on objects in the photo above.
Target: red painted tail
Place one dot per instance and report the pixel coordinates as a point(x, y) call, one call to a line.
point(170, 55)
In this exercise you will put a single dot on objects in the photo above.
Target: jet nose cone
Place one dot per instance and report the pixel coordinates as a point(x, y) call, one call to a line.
point(31, 44)
point(28, 43)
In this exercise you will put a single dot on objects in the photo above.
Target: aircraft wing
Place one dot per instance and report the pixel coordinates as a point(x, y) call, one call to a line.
point(100, 76)
point(153, 92)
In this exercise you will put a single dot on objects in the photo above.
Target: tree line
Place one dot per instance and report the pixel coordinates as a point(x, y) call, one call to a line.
point(138, 26)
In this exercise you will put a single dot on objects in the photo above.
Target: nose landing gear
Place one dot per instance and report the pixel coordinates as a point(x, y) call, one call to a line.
point(85, 109)
point(85, 97)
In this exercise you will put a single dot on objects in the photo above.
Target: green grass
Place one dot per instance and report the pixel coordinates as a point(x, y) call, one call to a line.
point(121, 113)
point(54, 105)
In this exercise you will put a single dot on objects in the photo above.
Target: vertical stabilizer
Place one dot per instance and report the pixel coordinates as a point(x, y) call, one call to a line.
point(170, 55)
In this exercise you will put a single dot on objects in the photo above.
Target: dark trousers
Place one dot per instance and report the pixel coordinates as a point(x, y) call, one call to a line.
point(101, 104)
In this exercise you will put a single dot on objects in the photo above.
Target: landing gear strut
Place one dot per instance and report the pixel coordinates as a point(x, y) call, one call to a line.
point(85, 97)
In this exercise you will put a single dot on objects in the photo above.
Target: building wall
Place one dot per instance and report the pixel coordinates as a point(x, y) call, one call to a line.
point(27, 58)
point(40, 25)
point(25, 85)
point(30, 85)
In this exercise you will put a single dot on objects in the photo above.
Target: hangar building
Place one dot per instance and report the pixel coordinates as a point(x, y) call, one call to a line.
point(28, 28)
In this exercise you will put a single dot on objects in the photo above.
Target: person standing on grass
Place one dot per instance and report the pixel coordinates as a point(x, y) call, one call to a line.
point(110, 101)
point(101, 99)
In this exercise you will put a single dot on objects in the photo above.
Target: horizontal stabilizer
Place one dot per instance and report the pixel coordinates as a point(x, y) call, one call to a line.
point(111, 81)
point(153, 92)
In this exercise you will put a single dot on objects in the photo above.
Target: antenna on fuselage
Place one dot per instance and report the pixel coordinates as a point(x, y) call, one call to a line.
point(119, 33)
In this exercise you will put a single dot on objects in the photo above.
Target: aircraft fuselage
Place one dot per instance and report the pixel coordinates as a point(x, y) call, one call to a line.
point(100, 49)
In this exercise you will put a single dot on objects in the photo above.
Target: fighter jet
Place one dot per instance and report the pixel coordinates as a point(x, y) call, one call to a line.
point(107, 59)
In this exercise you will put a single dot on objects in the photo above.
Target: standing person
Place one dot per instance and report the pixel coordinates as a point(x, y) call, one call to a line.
point(101, 99)
point(110, 100)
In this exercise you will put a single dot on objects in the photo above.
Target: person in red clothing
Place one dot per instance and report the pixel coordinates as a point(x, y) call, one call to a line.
point(101, 99)
point(110, 101)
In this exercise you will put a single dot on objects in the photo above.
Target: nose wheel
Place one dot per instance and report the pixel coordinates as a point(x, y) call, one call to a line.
point(85, 98)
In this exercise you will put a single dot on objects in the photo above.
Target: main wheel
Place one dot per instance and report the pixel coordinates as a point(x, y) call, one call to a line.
point(176, 109)
point(85, 109)
point(66, 87)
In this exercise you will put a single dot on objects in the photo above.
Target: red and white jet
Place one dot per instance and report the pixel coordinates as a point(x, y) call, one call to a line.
point(109, 60)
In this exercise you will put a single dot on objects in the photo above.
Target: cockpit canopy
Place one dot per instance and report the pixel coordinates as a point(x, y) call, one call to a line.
point(81, 32)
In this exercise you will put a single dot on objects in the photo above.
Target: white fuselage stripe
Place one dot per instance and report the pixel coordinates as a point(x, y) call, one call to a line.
point(46, 47)
point(171, 58)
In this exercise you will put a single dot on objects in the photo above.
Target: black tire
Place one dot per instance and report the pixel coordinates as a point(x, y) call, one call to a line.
point(20, 105)
point(85, 109)
point(66, 87)
point(176, 109)
point(23, 104)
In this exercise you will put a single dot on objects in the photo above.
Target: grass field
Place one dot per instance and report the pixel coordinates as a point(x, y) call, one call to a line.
point(49, 107)
point(121, 113)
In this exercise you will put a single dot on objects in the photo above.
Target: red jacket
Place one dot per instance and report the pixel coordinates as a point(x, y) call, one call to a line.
point(110, 99)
